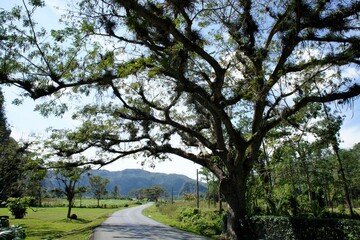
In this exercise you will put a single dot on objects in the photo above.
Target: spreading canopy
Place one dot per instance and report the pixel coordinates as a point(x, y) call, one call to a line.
point(204, 80)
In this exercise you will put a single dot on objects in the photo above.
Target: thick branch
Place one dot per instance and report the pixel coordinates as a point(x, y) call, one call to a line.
point(353, 91)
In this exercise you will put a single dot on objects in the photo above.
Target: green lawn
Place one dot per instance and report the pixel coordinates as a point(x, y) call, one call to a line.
point(51, 223)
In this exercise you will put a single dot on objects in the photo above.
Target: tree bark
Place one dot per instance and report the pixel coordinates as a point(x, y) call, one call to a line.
point(69, 211)
point(233, 189)
point(70, 200)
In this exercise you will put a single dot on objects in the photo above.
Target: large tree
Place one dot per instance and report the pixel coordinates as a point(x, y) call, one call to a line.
point(203, 80)
point(151, 193)
point(5, 163)
point(15, 159)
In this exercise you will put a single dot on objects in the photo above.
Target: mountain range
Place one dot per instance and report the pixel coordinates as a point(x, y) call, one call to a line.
point(132, 179)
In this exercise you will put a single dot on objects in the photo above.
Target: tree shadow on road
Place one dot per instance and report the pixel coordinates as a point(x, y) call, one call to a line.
point(135, 231)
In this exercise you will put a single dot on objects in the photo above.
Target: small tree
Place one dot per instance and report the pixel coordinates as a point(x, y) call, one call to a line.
point(68, 177)
point(98, 187)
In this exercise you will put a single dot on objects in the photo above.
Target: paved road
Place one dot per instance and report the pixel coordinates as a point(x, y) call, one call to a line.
point(131, 224)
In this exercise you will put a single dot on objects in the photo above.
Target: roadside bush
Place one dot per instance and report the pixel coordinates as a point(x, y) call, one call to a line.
point(188, 214)
point(18, 206)
point(204, 222)
point(300, 228)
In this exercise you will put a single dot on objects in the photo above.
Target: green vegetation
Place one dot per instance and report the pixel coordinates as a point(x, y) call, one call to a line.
point(185, 216)
point(86, 202)
point(150, 193)
point(18, 206)
point(12, 233)
point(69, 178)
point(17, 164)
point(211, 223)
point(98, 187)
point(238, 87)
point(299, 228)
point(51, 222)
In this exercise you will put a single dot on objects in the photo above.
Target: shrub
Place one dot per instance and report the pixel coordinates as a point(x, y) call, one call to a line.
point(73, 216)
point(18, 206)
point(301, 228)
point(4, 221)
point(188, 214)
point(204, 222)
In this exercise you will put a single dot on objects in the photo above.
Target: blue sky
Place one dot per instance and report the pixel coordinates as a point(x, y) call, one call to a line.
point(24, 121)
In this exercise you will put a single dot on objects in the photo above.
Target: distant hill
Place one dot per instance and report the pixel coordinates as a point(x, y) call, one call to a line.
point(131, 179)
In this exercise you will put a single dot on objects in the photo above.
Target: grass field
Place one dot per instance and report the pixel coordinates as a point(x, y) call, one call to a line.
point(51, 222)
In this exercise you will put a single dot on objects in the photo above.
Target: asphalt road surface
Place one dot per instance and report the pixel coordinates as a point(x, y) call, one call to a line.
point(130, 223)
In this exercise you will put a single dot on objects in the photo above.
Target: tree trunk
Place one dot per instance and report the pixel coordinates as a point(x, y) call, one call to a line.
point(234, 192)
point(265, 176)
point(70, 200)
point(69, 211)
point(344, 181)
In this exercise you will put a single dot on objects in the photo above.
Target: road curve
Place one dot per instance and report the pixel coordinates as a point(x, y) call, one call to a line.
point(130, 223)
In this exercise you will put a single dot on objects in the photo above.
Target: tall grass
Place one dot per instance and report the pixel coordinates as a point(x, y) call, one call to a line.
point(205, 221)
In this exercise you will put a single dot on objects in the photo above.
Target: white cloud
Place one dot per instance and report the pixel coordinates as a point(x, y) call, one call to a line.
point(349, 136)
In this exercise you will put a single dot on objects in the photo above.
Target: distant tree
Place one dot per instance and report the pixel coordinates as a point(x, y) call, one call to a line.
point(136, 193)
point(68, 178)
point(98, 187)
point(151, 193)
point(154, 193)
point(35, 174)
point(212, 183)
point(116, 192)
point(81, 191)
point(189, 196)
point(328, 132)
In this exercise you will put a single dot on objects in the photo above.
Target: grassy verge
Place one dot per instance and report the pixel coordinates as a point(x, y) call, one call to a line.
point(51, 223)
point(183, 215)
point(168, 217)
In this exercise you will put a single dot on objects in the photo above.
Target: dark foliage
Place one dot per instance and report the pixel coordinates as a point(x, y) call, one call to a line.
point(286, 228)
